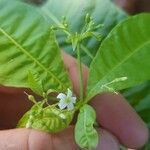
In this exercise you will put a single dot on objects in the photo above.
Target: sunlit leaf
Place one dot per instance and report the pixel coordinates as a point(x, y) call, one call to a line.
point(124, 53)
point(28, 44)
point(49, 119)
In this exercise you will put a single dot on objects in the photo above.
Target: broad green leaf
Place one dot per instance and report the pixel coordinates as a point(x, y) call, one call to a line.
point(124, 53)
point(28, 44)
point(102, 11)
point(35, 83)
point(49, 119)
point(137, 94)
point(85, 134)
point(139, 98)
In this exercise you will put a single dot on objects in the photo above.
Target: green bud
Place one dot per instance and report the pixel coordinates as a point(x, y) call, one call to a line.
point(54, 28)
point(31, 98)
point(65, 25)
point(87, 18)
point(44, 94)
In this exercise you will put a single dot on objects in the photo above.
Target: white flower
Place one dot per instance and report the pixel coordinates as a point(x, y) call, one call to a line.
point(66, 100)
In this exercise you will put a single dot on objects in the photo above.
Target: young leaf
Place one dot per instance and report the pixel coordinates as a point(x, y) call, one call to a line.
point(124, 53)
point(49, 119)
point(27, 43)
point(85, 134)
point(102, 11)
point(36, 109)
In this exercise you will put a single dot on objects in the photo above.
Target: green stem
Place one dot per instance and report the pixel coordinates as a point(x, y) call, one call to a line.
point(80, 72)
point(87, 52)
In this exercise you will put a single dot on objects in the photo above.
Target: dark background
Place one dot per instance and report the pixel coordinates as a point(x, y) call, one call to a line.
point(134, 6)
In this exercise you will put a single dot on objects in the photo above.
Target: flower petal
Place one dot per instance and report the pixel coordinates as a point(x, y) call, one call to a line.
point(62, 105)
point(70, 106)
point(61, 96)
point(69, 93)
point(73, 99)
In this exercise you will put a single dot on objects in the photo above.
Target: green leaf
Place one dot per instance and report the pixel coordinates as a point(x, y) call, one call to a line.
point(49, 119)
point(139, 98)
point(35, 83)
point(137, 94)
point(124, 53)
point(28, 44)
point(36, 108)
point(85, 134)
point(103, 12)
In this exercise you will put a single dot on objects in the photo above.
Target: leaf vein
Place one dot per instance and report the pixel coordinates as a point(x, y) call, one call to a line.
point(111, 70)
point(30, 56)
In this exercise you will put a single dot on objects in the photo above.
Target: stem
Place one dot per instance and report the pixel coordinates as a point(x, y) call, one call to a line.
point(87, 52)
point(80, 72)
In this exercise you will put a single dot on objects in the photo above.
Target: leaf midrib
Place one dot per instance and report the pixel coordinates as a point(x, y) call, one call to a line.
point(123, 60)
point(30, 56)
point(84, 124)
